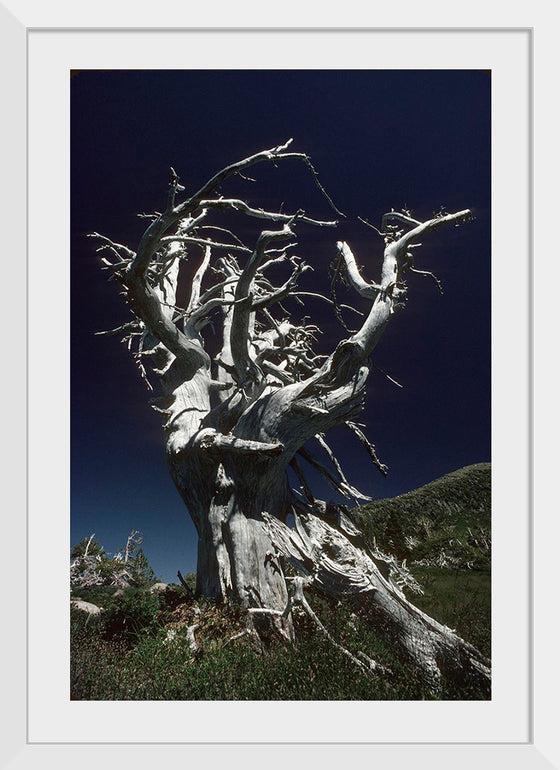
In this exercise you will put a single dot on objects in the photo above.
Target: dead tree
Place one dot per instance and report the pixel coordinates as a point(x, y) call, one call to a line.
point(238, 417)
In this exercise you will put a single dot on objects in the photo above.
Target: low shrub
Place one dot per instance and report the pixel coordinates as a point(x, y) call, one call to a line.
point(127, 652)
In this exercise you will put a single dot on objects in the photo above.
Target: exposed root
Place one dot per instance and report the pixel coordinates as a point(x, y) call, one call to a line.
point(296, 597)
point(341, 563)
point(360, 659)
point(193, 646)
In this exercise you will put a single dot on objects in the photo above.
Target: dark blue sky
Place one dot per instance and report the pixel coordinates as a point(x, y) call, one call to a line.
point(379, 140)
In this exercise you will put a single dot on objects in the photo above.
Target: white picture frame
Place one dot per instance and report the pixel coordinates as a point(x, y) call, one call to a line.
point(21, 749)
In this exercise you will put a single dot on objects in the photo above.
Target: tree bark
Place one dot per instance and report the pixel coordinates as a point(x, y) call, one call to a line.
point(342, 563)
point(236, 421)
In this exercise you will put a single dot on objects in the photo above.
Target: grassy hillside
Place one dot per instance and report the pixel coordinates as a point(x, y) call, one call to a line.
point(138, 647)
point(445, 523)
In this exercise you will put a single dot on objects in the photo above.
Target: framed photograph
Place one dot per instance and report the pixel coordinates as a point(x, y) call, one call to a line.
point(43, 50)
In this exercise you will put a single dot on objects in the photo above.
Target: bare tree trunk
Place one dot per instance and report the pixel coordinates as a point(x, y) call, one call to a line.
point(245, 546)
point(235, 551)
point(235, 422)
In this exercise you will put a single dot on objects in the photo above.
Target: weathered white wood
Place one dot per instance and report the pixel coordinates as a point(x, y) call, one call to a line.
point(91, 609)
point(361, 571)
point(236, 422)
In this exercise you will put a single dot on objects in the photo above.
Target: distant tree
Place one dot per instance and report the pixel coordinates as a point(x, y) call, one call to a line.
point(91, 565)
point(142, 572)
point(87, 546)
point(242, 393)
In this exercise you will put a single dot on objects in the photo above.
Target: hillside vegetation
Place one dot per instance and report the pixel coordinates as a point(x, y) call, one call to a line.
point(443, 524)
point(155, 642)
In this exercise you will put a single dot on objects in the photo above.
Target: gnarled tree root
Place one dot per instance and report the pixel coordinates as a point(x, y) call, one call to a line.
point(334, 557)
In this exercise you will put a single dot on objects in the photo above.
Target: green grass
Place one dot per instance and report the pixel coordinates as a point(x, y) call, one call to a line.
point(123, 654)
point(447, 521)
point(461, 599)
